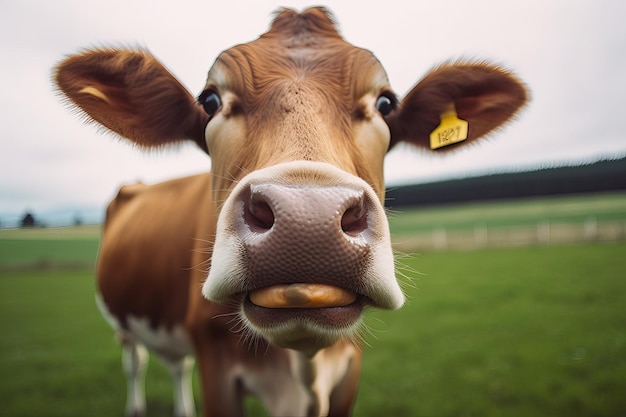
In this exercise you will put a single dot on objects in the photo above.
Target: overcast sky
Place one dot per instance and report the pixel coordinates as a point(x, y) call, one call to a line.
point(572, 55)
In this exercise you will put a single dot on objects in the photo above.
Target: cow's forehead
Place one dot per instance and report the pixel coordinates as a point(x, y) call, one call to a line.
point(304, 49)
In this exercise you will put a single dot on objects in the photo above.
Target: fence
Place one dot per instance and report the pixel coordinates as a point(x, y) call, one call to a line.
point(543, 233)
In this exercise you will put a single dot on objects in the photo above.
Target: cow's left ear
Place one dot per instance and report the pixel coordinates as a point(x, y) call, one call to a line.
point(485, 96)
point(130, 93)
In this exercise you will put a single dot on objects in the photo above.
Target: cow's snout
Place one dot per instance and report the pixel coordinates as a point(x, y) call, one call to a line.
point(305, 234)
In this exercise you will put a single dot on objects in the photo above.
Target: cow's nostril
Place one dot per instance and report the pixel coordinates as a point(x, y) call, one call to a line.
point(354, 219)
point(258, 216)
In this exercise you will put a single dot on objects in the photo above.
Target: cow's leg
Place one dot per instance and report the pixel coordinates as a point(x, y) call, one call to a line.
point(135, 363)
point(182, 372)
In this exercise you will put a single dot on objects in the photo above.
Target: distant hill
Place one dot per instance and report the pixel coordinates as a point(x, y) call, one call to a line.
point(607, 175)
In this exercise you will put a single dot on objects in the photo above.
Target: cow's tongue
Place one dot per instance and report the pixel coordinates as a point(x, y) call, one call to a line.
point(302, 296)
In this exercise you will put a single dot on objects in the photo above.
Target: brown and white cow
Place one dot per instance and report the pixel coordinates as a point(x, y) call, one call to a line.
point(263, 268)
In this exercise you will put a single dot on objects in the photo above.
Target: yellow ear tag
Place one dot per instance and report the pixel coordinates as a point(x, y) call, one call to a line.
point(451, 129)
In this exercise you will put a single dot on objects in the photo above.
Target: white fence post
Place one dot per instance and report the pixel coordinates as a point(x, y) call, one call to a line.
point(481, 235)
point(590, 228)
point(440, 239)
point(543, 232)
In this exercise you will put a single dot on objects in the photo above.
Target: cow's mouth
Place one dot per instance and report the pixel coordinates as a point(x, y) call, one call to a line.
point(301, 295)
point(301, 314)
point(324, 305)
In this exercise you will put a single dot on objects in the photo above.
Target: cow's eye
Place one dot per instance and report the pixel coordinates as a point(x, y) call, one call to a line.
point(211, 102)
point(385, 105)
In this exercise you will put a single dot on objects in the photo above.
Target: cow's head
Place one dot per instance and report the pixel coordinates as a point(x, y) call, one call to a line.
point(297, 124)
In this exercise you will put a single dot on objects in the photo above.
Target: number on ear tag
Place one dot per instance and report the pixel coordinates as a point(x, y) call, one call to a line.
point(451, 129)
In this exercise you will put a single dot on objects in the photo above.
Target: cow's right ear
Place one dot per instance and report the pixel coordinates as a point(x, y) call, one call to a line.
point(483, 95)
point(133, 95)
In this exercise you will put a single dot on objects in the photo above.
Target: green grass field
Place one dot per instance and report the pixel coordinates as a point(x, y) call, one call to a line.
point(536, 331)
point(505, 332)
point(603, 207)
point(64, 248)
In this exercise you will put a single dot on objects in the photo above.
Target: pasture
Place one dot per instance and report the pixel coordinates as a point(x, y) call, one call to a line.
point(571, 209)
point(537, 330)
point(547, 220)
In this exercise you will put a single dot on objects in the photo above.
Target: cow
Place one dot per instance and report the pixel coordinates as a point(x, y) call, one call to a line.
point(261, 269)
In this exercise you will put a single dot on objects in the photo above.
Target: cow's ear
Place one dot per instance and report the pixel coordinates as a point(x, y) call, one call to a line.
point(133, 95)
point(483, 95)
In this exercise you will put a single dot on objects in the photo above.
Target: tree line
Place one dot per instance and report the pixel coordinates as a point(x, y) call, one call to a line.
point(602, 176)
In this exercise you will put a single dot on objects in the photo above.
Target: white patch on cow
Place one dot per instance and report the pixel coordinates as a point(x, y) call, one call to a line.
point(226, 268)
point(330, 369)
point(291, 392)
point(285, 391)
point(173, 342)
